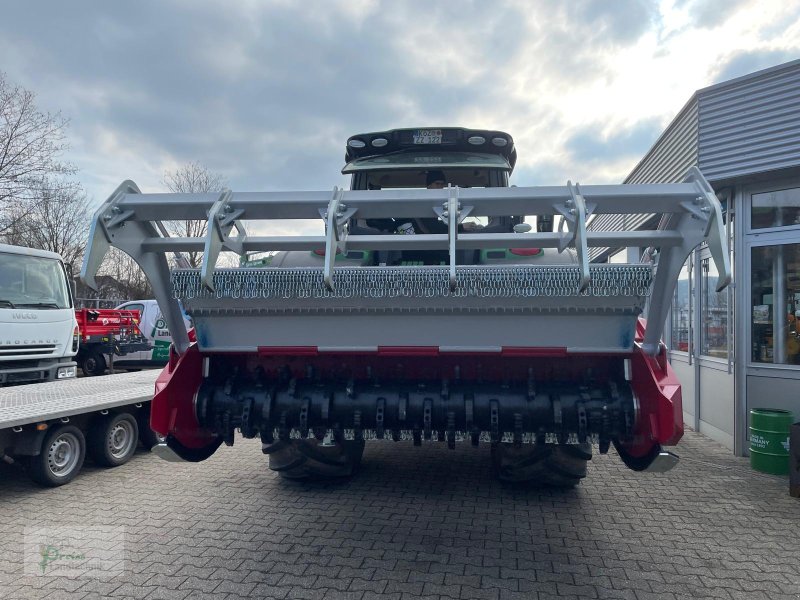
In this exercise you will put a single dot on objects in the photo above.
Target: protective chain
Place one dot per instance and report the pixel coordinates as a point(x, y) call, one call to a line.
point(416, 282)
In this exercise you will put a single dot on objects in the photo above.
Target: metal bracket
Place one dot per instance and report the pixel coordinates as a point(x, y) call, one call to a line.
point(574, 211)
point(221, 219)
point(126, 232)
point(336, 217)
point(108, 217)
point(711, 210)
point(452, 214)
point(702, 221)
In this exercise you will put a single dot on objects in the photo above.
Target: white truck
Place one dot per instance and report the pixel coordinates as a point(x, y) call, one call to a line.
point(48, 427)
point(38, 330)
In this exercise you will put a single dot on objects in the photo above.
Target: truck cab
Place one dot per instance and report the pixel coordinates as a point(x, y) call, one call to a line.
point(38, 330)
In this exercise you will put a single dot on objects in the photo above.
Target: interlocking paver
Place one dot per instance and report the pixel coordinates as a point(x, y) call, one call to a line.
point(417, 523)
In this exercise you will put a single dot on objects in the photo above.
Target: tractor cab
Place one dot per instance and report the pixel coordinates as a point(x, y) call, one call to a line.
point(412, 158)
point(430, 159)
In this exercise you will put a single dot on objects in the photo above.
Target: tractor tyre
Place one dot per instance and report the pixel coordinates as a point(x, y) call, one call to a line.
point(554, 465)
point(311, 459)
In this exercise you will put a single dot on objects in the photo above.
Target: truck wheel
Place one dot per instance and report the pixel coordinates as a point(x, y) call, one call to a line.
point(94, 363)
point(147, 436)
point(63, 451)
point(311, 459)
point(112, 439)
point(556, 465)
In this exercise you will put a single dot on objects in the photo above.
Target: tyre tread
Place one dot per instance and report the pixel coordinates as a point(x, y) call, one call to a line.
point(552, 465)
point(39, 471)
point(308, 459)
point(96, 440)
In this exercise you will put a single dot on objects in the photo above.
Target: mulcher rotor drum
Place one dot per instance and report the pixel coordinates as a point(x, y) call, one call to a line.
point(429, 409)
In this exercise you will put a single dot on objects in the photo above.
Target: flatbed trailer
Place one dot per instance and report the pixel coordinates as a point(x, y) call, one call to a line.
point(48, 428)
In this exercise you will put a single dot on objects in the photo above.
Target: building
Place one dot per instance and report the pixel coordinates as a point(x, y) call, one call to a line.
point(738, 349)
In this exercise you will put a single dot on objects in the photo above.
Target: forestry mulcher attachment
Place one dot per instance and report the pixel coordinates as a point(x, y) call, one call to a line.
point(429, 310)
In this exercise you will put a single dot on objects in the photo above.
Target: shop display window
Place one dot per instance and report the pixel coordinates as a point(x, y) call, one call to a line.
point(780, 208)
point(681, 311)
point(775, 304)
point(714, 313)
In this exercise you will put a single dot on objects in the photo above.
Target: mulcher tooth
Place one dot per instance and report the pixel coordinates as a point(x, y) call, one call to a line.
point(494, 420)
point(379, 413)
point(451, 430)
point(426, 418)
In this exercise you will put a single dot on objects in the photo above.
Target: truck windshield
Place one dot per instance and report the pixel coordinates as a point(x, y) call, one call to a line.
point(32, 282)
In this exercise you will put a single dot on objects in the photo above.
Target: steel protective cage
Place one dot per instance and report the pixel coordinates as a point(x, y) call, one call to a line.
point(132, 222)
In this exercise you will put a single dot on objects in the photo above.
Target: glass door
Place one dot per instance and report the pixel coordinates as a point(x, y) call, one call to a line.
point(775, 304)
point(770, 301)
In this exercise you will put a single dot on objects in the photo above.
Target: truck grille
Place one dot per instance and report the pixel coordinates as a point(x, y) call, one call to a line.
point(18, 364)
point(27, 350)
point(27, 376)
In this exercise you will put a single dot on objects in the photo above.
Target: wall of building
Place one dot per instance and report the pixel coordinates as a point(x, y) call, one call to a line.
point(717, 405)
point(744, 135)
point(667, 162)
point(750, 125)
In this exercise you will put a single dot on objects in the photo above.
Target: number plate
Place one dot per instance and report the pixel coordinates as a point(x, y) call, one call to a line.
point(428, 136)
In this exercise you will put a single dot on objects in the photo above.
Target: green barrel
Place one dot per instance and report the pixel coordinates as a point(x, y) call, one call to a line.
point(769, 440)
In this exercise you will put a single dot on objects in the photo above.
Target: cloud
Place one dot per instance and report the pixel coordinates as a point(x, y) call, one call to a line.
point(266, 93)
point(623, 21)
point(592, 143)
point(743, 63)
point(710, 13)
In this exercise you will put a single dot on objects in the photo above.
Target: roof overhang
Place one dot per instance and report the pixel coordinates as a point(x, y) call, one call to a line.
point(427, 160)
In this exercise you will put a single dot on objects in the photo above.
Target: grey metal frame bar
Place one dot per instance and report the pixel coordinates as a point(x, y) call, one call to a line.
point(692, 214)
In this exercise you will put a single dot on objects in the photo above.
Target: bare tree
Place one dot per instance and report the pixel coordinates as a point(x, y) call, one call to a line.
point(129, 281)
point(31, 143)
point(191, 178)
point(55, 219)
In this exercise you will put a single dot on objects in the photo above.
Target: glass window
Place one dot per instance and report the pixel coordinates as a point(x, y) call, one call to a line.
point(780, 208)
point(681, 311)
point(32, 282)
point(775, 301)
point(139, 307)
point(714, 316)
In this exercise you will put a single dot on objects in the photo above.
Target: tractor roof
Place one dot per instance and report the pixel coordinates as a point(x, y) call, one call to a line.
point(496, 146)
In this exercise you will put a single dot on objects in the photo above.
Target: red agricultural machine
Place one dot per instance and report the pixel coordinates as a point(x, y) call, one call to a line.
point(430, 310)
point(105, 333)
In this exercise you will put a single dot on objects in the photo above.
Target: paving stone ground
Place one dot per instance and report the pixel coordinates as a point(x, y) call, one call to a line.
point(418, 522)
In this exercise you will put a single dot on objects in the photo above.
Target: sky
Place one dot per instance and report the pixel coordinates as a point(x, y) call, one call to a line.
point(267, 92)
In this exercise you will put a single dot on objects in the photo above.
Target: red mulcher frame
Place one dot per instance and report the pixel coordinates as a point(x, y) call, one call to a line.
point(659, 421)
